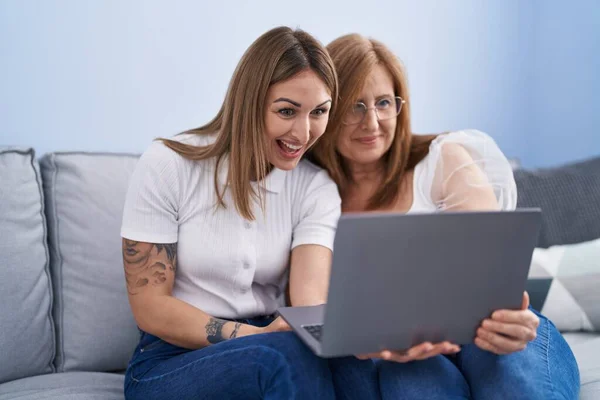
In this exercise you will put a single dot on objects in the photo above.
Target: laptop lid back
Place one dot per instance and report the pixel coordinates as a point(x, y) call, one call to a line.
point(424, 277)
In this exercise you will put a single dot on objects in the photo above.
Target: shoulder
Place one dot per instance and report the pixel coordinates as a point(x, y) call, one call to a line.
point(467, 158)
point(308, 184)
point(308, 174)
point(159, 155)
point(462, 146)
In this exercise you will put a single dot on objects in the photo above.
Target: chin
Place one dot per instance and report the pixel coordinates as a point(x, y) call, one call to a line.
point(368, 157)
point(285, 165)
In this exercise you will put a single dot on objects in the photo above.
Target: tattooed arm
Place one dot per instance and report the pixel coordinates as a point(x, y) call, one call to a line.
point(150, 274)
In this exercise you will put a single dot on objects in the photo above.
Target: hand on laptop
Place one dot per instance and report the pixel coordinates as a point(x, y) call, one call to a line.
point(419, 352)
point(508, 331)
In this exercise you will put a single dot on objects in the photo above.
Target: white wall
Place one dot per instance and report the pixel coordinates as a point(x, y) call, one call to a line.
point(112, 75)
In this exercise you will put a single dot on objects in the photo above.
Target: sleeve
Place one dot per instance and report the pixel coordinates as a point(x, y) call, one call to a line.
point(466, 170)
point(320, 210)
point(150, 212)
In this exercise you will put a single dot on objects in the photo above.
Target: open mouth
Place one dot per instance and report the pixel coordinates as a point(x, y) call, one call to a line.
point(289, 150)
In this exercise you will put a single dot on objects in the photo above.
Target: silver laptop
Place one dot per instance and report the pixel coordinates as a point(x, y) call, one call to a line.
point(398, 280)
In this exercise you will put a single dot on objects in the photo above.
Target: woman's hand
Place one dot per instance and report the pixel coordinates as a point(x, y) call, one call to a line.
point(240, 330)
point(508, 331)
point(419, 352)
point(278, 325)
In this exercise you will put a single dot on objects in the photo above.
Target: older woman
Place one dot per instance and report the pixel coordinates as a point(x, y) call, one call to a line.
point(380, 165)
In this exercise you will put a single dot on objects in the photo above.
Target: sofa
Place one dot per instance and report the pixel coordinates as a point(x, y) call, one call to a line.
point(66, 328)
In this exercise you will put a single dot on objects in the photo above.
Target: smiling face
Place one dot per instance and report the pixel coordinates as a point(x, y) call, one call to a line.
point(296, 115)
point(366, 142)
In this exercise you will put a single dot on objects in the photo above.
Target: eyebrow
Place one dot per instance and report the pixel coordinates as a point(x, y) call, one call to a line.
point(382, 96)
point(288, 100)
point(281, 99)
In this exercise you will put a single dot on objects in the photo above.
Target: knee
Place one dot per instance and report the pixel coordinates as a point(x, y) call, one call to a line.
point(434, 378)
point(290, 346)
point(292, 351)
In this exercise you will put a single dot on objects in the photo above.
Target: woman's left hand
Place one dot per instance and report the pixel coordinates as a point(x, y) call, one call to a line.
point(508, 331)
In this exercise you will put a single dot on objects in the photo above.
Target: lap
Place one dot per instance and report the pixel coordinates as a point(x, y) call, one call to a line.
point(546, 369)
point(250, 366)
point(433, 378)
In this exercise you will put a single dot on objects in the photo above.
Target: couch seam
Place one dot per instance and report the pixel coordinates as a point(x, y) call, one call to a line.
point(94, 154)
point(23, 152)
point(39, 181)
point(60, 304)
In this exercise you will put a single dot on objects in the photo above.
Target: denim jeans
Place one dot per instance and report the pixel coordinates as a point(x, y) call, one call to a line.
point(265, 366)
point(546, 370)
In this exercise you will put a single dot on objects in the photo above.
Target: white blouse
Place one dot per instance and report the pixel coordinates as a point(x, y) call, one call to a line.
point(227, 266)
point(436, 169)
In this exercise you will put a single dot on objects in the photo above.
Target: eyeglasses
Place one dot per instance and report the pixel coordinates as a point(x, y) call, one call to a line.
point(385, 108)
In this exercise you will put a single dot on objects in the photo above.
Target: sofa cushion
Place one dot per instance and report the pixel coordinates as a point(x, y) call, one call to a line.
point(85, 193)
point(569, 197)
point(26, 327)
point(66, 386)
point(572, 300)
point(587, 353)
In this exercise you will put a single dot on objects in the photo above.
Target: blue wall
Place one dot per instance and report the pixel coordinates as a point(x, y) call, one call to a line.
point(111, 75)
point(565, 82)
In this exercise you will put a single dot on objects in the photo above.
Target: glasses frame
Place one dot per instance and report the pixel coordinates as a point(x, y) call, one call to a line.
point(399, 100)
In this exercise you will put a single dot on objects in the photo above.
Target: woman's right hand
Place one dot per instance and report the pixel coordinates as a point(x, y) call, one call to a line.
point(419, 352)
point(278, 325)
point(240, 330)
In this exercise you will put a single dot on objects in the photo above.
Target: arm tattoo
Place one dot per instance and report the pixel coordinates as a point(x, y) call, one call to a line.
point(171, 250)
point(235, 330)
point(142, 268)
point(214, 329)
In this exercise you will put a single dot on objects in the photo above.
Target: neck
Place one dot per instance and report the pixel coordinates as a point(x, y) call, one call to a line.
point(269, 168)
point(361, 174)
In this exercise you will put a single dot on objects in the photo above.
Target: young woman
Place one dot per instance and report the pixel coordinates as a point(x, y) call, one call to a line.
point(217, 219)
point(379, 165)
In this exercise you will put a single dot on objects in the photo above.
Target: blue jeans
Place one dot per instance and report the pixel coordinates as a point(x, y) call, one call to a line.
point(546, 370)
point(266, 366)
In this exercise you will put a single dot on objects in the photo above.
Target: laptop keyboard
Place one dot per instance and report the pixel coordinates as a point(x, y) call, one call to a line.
point(315, 330)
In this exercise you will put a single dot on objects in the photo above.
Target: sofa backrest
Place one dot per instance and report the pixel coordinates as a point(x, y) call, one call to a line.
point(80, 319)
point(26, 327)
point(569, 196)
point(85, 193)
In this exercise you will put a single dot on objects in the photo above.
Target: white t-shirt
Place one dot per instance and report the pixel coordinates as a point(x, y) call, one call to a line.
point(434, 171)
point(227, 266)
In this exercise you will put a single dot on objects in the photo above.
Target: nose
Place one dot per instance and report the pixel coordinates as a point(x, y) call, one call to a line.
point(370, 122)
point(302, 129)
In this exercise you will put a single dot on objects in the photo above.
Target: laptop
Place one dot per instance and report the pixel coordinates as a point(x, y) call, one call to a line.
point(398, 280)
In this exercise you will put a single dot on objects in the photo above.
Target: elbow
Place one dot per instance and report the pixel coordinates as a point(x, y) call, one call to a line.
point(147, 314)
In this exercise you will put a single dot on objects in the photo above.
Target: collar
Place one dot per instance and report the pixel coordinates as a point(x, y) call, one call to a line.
point(274, 181)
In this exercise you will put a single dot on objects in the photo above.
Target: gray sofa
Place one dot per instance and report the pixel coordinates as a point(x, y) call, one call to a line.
point(66, 328)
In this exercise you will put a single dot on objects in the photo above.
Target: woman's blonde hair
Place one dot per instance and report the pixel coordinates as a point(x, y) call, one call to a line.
point(275, 56)
point(354, 57)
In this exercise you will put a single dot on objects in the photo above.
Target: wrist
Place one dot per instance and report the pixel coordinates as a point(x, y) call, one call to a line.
point(237, 329)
